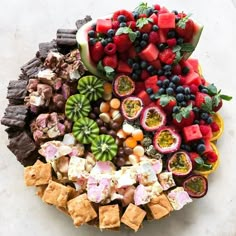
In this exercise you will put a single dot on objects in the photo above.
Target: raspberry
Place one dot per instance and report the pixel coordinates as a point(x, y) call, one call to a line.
point(211, 156)
point(110, 61)
point(115, 25)
point(154, 37)
point(215, 127)
point(193, 88)
point(110, 49)
point(176, 69)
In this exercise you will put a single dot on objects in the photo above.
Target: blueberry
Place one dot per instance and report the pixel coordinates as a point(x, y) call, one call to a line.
point(154, 72)
point(159, 83)
point(134, 76)
point(166, 83)
point(153, 97)
point(180, 41)
point(143, 44)
point(180, 89)
point(204, 91)
point(177, 18)
point(94, 26)
point(185, 70)
point(150, 68)
point(167, 67)
point(138, 72)
point(204, 116)
point(192, 96)
point(111, 33)
point(155, 28)
point(175, 79)
point(161, 46)
point(171, 34)
point(170, 91)
point(187, 90)
point(161, 91)
point(172, 85)
point(143, 64)
point(176, 109)
point(187, 97)
point(209, 120)
point(138, 49)
point(91, 33)
point(123, 24)
point(135, 14)
point(175, 12)
point(186, 147)
point(130, 61)
point(138, 34)
point(201, 148)
point(201, 141)
point(149, 11)
point(196, 122)
point(149, 91)
point(180, 97)
point(145, 36)
point(167, 73)
point(121, 18)
point(200, 87)
point(135, 66)
point(160, 72)
point(196, 109)
point(109, 40)
point(183, 104)
point(104, 42)
point(92, 41)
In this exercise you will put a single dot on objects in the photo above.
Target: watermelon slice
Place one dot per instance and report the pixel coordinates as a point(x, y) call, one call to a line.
point(143, 95)
point(166, 20)
point(123, 67)
point(150, 53)
point(192, 133)
point(103, 26)
point(151, 82)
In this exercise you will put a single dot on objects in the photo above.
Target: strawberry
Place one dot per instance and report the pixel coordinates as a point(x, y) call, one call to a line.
point(110, 61)
point(129, 16)
point(201, 99)
point(144, 24)
point(122, 42)
point(153, 37)
point(193, 88)
point(206, 131)
point(166, 103)
point(184, 117)
point(185, 27)
point(193, 156)
point(167, 56)
point(215, 127)
point(171, 42)
point(211, 156)
point(97, 51)
point(217, 108)
point(132, 25)
point(146, 28)
point(157, 7)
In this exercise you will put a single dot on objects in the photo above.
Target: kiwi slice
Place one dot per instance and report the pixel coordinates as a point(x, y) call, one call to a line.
point(85, 130)
point(104, 147)
point(91, 86)
point(77, 106)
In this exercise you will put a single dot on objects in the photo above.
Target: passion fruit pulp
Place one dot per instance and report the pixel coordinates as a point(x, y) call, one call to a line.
point(166, 140)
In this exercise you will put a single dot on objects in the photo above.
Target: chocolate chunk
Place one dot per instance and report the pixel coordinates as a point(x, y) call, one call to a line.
point(15, 116)
point(81, 22)
point(67, 31)
point(13, 132)
point(66, 36)
point(17, 91)
point(23, 77)
point(32, 67)
point(24, 148)
point(45, 48)
point(66, 41)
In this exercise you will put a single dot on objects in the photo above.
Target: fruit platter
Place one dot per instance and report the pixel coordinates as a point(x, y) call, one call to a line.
point(114, 121)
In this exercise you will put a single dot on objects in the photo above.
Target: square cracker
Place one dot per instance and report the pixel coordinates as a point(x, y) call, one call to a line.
point(109, 216)
point(38, 174)
point(133, 217)
point(81, 210)
point(159, 206)
point(56, 194)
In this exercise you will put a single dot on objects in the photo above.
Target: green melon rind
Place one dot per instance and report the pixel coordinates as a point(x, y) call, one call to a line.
point(79, 127)
point(196, 38)
point(82, 110)
point(91, 86)
point(82, 40)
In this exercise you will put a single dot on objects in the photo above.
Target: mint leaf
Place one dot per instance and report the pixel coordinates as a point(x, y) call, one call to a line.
point(142, 8)
point(165, 99)
point(207, 105)
point(143, 21)
point(216, 100)
point(178, 55)
point(132, 36)
point(108, 69)
point(100, 66)
point(225, 97)
point(178, 117)
point(212, 90)
point(127, 30)
point(182, 22)
point(207, 167)
point(186, 111)
point(187, 47)
point(199, 161)
point(176, 48)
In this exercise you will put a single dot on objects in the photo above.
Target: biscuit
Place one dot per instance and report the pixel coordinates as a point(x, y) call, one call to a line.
point(133, 217)
point(81, 210)
point(38, 174)
point(159, 206)
point(56, 194)
point(109, 216)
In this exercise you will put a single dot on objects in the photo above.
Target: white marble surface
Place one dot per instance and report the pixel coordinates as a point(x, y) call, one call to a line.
point(25, 23)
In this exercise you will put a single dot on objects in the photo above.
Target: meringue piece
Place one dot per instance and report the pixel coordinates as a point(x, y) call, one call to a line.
point(166, 179)
point(125, 177)
point(141, 195)
point(69, 139)
point(157, 165)
point(178, 198)
point(103, 167)
point(76, 169)
point(146, 173)
point(46, 74)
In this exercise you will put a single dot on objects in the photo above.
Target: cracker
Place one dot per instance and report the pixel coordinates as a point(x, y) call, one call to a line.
point(56, 194)
point(81, 210)
point(38, 174)
point(160, 206)
point(133, 217)
point(109, 217)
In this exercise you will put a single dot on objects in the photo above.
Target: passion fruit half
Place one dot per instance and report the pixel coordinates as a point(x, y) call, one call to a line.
point(180, 164)
point(123, 86)
point(196, 186)
point(166, 140)
point(131, 107)
point(152, 118)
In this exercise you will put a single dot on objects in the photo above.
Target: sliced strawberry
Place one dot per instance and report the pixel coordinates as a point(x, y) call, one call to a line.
point(211, 156)
point(167, 56)
point(122, 42)
point(110, 61)
point(97, 51)
point(129, 16)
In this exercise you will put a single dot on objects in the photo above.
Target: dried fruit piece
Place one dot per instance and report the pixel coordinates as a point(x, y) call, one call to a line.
point(85, 130)
point(77, 106)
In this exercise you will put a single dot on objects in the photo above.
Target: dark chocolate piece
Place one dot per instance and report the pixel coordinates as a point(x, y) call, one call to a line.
point(24, 148)
point(32, 67)
point(81, 22)
point(45, 48)
point(17, 91)
point(67, 31)
point(66, 41)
